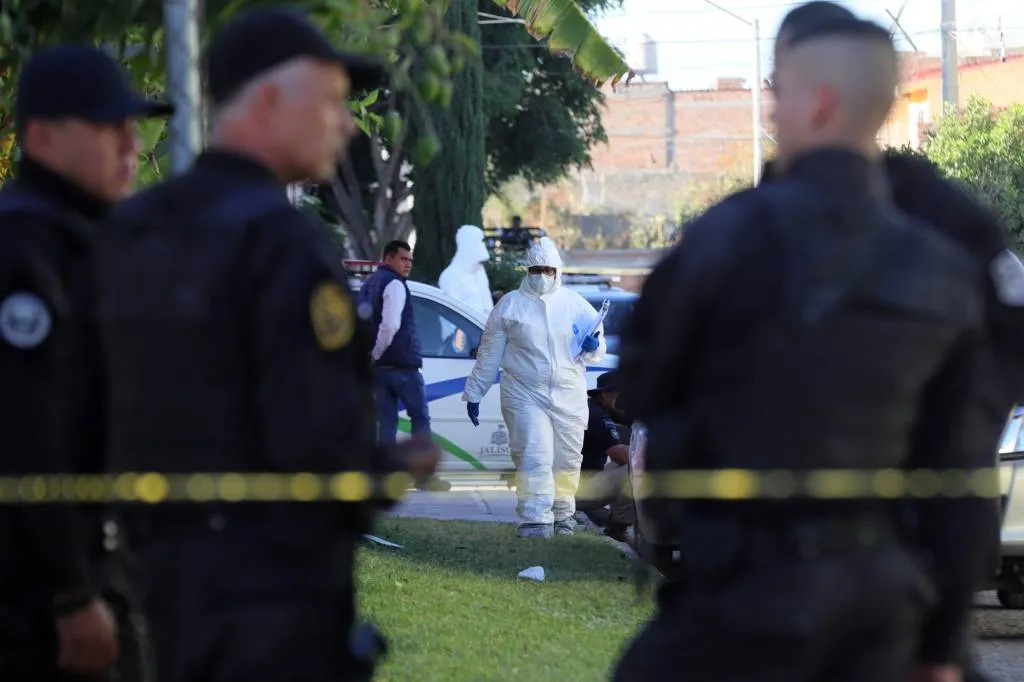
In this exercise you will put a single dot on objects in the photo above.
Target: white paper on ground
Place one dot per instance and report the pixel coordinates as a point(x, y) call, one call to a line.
point(533, 573)
point(381, 541)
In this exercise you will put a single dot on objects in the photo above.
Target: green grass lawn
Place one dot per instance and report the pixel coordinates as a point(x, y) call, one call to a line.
point(454, 610)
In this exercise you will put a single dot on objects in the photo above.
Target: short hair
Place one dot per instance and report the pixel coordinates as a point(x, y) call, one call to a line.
point(807, 17)
point(856, 58)
point(516, 219)
point(393, 247)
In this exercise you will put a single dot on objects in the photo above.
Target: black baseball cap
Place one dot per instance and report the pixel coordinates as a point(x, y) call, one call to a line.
point(81, 82)
point(261, 39)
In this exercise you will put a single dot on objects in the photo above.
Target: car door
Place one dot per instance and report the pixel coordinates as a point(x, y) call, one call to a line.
point(449, 341)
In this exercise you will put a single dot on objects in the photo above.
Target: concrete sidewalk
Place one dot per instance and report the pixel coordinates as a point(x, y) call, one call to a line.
point(459, 505)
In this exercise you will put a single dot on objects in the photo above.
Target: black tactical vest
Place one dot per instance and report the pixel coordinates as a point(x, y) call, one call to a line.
point(871, 305)
point(864, 304)
point(171, 337)
point(182, 384)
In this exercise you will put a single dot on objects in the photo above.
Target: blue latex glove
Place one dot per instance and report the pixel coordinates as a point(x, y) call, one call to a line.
point(473, 410)
point(589, 344)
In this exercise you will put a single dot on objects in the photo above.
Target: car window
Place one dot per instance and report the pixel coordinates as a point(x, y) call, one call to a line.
point(619, 310)
point(443, 332)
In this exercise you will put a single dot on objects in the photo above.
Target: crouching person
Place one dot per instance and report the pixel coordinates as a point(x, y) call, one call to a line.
point(605, 496)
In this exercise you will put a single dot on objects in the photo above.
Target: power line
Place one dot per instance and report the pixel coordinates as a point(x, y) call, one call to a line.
point(729, 10)
point(750, 39)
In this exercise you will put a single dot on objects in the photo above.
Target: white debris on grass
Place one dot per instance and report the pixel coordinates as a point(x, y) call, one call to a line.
point(381, 541)
point(533, 573)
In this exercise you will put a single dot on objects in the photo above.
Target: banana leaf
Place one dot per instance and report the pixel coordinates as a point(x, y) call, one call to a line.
point(567, 30)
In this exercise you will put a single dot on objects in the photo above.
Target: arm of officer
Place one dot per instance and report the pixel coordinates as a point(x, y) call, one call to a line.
point(660, 336)
point(310, 397)
point(954, 533)
point(390, 317)
point(1004, 310)
point(33, 304)
point(920, 189)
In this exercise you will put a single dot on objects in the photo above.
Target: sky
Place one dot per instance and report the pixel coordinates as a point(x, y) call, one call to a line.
point(697, 43)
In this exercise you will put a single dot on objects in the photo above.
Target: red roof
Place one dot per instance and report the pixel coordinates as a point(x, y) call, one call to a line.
point(937, 71)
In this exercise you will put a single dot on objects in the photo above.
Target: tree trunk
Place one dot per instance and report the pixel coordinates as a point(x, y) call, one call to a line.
point(449, 192)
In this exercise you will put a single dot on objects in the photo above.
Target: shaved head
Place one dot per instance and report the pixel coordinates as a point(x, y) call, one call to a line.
point(294, 117)
point(834, 88)
point(860, 73)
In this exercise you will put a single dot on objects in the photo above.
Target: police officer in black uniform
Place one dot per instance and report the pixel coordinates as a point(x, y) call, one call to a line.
point(845, 334)
point(918, 188)
point(233, 344)
point(60, 591)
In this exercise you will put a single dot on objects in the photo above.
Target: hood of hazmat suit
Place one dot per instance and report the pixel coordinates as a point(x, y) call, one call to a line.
point(529, 337)
point(465, 278)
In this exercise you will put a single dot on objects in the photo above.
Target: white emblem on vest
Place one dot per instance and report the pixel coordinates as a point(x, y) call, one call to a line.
point(1008, 277)
point(24, 320)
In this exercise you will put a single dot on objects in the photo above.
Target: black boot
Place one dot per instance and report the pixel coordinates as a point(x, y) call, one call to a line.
point(617, 531)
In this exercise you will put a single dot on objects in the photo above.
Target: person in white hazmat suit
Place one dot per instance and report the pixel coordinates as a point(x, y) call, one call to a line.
point(530, 336)
point(465, 278)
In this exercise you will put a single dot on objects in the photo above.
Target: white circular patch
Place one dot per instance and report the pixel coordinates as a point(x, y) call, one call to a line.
point(24, 320)
point(1008, 277)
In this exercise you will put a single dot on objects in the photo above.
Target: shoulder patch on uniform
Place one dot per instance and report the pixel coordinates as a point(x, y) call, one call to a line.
point(25, 321)
point(332, 316)
point(1008, 278)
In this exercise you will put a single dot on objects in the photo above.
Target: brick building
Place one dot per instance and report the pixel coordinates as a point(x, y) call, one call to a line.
point(666, 147)
point(651, 127)
point(709, 132)
point(699, 132)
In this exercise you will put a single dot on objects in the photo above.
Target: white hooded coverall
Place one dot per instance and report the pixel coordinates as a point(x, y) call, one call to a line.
point(465, 278)
point(529, 336)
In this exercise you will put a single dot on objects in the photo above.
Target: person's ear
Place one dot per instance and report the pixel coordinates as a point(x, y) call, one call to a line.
point(826, 105)
point(268, 98)
point(36, 135)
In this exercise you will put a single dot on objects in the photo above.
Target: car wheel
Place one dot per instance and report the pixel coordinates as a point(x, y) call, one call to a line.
point(1010, 600)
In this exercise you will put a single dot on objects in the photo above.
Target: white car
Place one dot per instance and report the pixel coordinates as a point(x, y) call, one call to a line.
point(1010, 579)
point(449, 335)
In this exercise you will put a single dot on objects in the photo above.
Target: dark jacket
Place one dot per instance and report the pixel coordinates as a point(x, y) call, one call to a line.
point(233, 345)
point(843, 332)
point(51, 395)
point(405, 351)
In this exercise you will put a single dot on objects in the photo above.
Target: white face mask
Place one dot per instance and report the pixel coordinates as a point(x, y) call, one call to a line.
point(541, 284)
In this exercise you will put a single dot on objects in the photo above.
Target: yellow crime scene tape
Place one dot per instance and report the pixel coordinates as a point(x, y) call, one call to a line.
point(355, 486)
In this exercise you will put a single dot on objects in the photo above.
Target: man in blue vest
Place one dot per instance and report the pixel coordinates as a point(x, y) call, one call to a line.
point(397, 358)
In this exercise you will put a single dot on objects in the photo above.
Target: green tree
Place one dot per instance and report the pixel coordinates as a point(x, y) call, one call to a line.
point(984, 148)
point(542, 114)
point(383, 28)
point(451, 191)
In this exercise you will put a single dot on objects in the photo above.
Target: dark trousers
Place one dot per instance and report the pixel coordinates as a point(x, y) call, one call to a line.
point(844, 619)
point(223, 609)
point(394, 389)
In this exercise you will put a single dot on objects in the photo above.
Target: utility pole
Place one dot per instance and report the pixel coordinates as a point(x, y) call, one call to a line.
point(756, 92)
point(757, 133)
point(950, 60)
point(181, 35)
